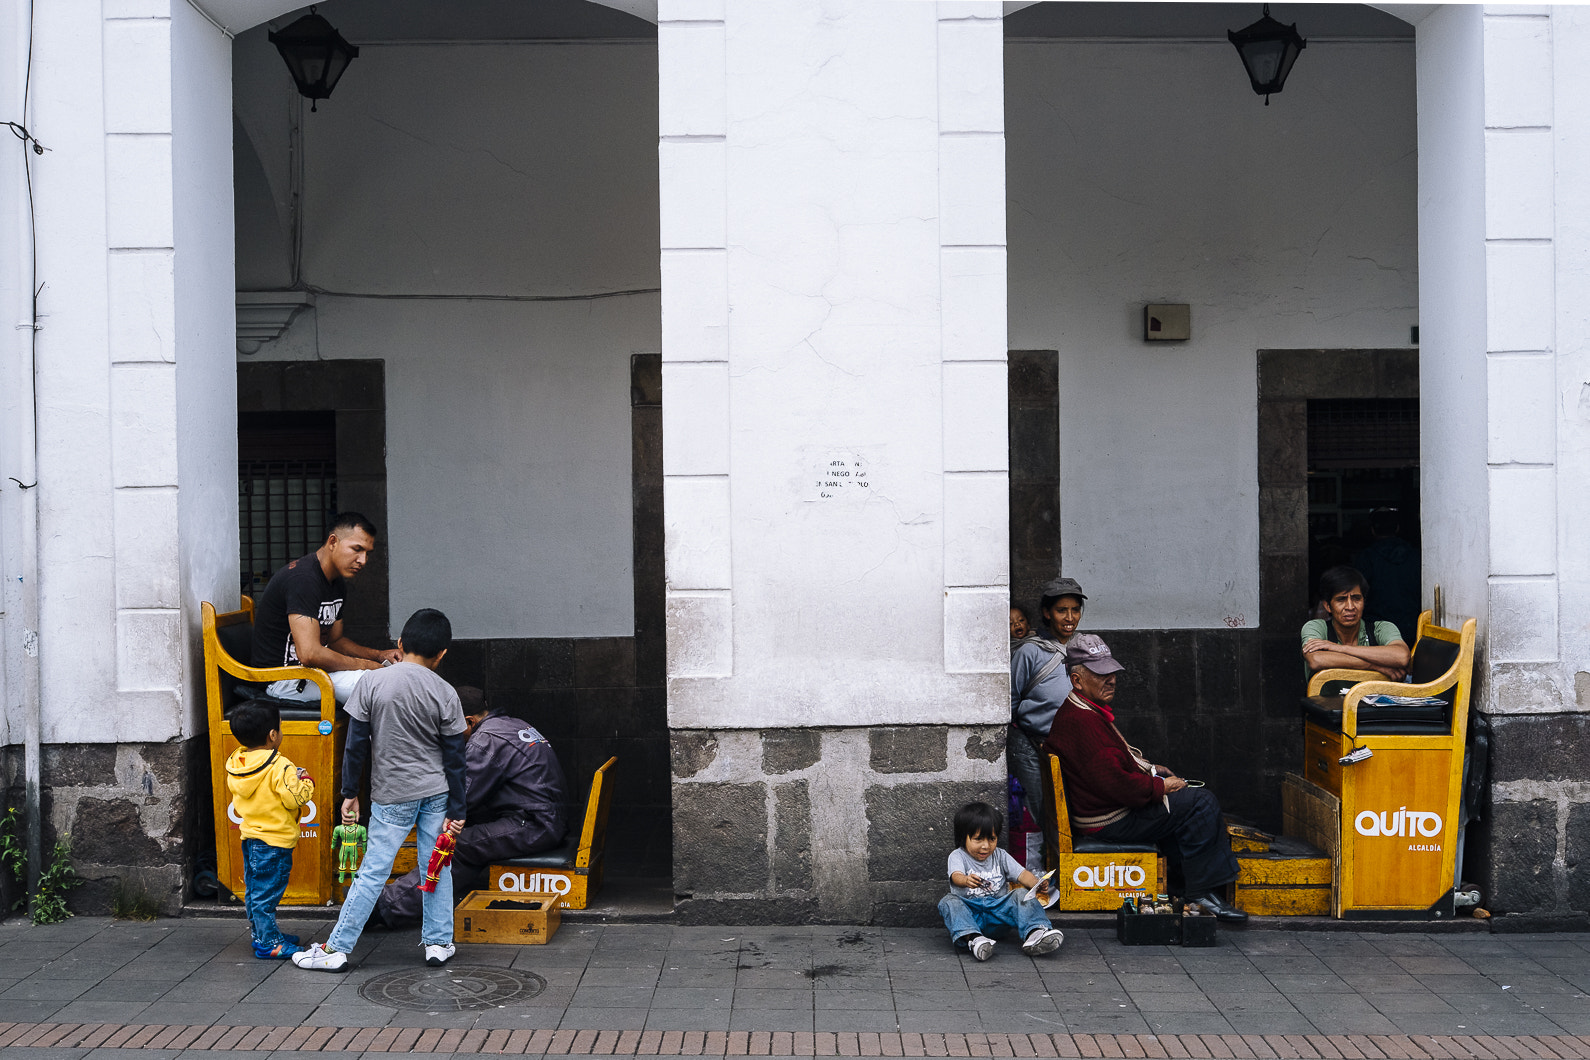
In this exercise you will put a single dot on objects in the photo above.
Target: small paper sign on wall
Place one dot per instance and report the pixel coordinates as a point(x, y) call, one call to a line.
point(838, 477)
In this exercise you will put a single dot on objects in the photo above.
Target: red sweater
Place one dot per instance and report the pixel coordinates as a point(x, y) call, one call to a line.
point(1103, 778)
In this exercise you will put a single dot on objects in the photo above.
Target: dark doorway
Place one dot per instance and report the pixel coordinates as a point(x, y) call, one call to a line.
point(1363, 499)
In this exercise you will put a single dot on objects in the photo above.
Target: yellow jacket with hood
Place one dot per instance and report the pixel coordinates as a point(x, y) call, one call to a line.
point(269, 793)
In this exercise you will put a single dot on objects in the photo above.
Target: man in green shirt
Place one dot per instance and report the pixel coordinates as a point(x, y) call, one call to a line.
point(1344, 640)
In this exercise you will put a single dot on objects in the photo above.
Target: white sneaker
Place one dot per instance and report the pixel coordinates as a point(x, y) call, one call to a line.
point(436, 956)
point(982, 947)
point(318, 959)
point(1043, 940)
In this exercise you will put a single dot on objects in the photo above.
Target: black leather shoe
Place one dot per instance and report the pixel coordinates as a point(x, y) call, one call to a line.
point(1216, 906)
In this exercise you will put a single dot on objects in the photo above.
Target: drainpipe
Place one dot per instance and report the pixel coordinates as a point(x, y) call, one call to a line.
point(25, 486)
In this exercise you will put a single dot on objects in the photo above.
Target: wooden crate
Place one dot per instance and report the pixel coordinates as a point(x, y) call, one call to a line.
point(520, 920)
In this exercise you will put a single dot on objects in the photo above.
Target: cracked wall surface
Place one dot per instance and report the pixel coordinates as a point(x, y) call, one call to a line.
point(134, 816)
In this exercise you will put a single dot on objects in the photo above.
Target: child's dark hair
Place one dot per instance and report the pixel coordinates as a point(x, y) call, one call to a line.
point(977, 820)
point(1340, 580)
point(252, 722)
point(427, 633)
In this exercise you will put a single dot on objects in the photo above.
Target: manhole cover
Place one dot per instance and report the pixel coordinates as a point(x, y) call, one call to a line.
point(452, 989)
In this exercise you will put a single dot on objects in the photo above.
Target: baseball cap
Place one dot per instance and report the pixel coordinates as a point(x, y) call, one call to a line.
point(1064, 587)
point(1086, 649)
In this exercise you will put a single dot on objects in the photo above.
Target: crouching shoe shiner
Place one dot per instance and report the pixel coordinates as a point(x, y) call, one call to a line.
point(515, 792)
point(1115, 794)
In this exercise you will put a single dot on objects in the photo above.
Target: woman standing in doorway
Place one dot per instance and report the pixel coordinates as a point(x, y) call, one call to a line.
point(1038, 685)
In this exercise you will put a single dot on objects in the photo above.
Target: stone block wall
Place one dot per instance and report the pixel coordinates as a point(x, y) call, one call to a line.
point(830, 825)
point(130, 813)
point(1534, 837)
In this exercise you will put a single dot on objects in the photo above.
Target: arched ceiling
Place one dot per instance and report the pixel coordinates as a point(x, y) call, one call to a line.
point(236, 16)
point(1200, 20)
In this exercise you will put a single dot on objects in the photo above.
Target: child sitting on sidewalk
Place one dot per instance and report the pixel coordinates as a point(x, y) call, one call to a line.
point(269, 793)
point(979, 903)
point(416, 781)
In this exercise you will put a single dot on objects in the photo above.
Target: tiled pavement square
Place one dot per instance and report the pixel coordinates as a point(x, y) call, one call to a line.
point(829, 979)
point(1269, 1022)
point(752, 1019)
point(715, 1018)
point(1173, 1002)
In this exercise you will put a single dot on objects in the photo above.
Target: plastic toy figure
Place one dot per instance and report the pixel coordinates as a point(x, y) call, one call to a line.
point(441, 858)
point(349, 841)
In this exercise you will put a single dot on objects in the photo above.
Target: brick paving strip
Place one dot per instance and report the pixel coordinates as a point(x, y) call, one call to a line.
point(797, 1043)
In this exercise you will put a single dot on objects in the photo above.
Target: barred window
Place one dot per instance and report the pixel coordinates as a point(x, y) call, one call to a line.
point(286, 489)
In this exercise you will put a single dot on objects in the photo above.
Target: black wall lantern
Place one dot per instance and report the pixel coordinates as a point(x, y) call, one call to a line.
point(316, 55)
point(1268, 50)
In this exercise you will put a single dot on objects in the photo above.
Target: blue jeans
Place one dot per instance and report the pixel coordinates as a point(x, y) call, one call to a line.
point(389, 826)
point(265, 872)
point(968, 917)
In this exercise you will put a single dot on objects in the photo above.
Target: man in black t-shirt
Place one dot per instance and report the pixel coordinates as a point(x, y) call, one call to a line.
point(298, 618)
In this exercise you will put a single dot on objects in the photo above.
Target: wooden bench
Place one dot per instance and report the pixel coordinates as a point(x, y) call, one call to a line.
point(312, 738)
point(1390, 820)
point(573, 869)
point(1092, 874)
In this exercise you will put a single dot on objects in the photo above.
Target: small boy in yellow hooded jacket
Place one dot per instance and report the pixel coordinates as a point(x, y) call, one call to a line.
point(268, 792)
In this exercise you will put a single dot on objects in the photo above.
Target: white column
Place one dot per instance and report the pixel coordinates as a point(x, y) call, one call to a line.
point(135, 379)
point(1498, 516)
point(971, 98)
point(691, 122)
point(833, 270)
point(1520, 345)
point(1570, 29)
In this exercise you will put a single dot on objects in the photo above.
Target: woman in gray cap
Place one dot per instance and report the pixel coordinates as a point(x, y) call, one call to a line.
point(1038, 685)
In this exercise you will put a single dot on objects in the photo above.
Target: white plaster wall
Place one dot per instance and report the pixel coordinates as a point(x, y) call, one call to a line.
point(1149, 172)
point(1571, 389)
point(13, 380)
point(1453, 484)
point(204, 317)
point(77, 545)
point(833, 265)
point(516, 184)
point(508, 458)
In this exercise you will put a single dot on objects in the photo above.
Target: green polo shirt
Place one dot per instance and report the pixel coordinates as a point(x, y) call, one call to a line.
point(1320, 629)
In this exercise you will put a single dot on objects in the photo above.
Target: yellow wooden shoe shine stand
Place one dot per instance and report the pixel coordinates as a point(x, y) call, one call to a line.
point(312, 743)
point(1091, 875)
point(1396, 813)
point(572, 871)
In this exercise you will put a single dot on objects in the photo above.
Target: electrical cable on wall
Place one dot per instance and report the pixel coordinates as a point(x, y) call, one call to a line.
point(33, 724)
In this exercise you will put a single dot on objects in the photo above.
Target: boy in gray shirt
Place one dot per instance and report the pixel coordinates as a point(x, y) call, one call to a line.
point(413, 721)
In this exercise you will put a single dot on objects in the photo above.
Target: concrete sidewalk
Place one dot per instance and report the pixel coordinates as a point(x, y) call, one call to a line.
point(180, 986)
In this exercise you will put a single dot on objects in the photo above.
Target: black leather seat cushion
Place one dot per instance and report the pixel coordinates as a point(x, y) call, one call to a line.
point(559, 857)
point(1431, 659)
point(1326, 711)
point(1104, 846)
point(238, 642)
